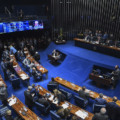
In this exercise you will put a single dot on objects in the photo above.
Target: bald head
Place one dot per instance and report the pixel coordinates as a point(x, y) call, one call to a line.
point(116, 67)
point(29, 87)
point(100, 95)
point(102, 110)
point(1, 84)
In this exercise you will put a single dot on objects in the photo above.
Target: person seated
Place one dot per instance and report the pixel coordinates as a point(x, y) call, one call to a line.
point(36, 74)
point(83, 94)
point(113, 109)
point(60, 97)
point(54, 52)
point(20, 55)
point(44, 101)
point(115, 76)
point(26, 62)
point(101, 115)
point(105, 37)
point(34, 91)
point(8, 115)
point(74, 118)
point(100, 100)
point(31, 65)
point(37, 56)
point(52, 81)
point(63, 113)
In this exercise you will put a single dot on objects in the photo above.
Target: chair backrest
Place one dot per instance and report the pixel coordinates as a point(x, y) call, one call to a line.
point(15, 82)
point(54, 116)
point(51, 87)
point(64, 92)
point(96, 107)
point(79, 100)
point(40, 106)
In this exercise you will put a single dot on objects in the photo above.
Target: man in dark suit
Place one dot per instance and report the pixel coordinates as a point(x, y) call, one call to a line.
point(36, 56)
point(36, 74)
point(63, 113)
point(100, 116)
point(60, 97)
point(28, 97)
point(113, 109)
point(44, 101)
point(52, 81)
point(100, 100)
point(3, 93)
point(83, 94)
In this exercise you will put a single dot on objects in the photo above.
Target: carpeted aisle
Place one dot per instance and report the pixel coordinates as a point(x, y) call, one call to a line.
point(75, 68)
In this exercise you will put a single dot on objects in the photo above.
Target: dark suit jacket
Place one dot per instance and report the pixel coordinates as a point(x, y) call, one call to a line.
point(9, 117)
point(43, 101)
point(83, 94)
point(99, 116)
point(113, 110)
point(28, 98)
point(3, 93)
point(61, 97)
point(37, 57)
point(100, 101)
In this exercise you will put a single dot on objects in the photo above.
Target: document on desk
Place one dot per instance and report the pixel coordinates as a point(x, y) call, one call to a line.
point(12, 101)
point(51, 97)
point(81, 114)
point(23, 76)
point(65, 106)
point(55, 101)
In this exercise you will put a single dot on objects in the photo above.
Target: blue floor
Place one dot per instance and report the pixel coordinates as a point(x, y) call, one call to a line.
point(75, 68)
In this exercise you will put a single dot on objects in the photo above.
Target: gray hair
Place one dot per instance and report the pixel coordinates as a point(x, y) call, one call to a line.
point(102, 110)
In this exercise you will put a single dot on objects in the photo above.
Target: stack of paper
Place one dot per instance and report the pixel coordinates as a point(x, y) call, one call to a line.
point(104, 96)
point(60, 78)
point(81, 114)
point(12, 101)
point(23, 76)
point(51, 97)
point(65, 106)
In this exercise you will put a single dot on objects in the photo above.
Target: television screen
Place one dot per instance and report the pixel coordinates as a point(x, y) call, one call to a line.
point(8, 27)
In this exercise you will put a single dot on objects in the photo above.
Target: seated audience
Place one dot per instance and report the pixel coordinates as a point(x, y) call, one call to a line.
point(100, 116)
point(34, 91)
point(3, 93)
point(83, 94)
point(100, 100)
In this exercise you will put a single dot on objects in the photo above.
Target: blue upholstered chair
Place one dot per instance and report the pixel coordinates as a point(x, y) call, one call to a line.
point(80, 101)
point(15, 82)
point(96, 107)
point(54, 116)
point(51, 87)
point(67, 94)
point(42, 108)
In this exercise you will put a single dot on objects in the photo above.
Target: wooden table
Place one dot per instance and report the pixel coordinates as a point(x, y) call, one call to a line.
point(73, 108)
point(1, 79)
point(100, 80)
point(19, 108)
point(18, 70)
point(110, 50)
point(76, 88)
point(38, 66)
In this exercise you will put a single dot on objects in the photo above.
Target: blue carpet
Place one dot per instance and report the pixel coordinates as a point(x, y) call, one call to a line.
point(75, 68)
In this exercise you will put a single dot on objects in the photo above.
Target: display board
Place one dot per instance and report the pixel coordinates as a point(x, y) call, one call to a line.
point(8, 27)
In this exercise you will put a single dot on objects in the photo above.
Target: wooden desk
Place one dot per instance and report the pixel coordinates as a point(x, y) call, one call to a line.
point(1, 79)
point(38, 66)
point(76, 88)
point(72, 107)
point(19, 108)
point(99, 80)
point(18, 70)
point(110, 50)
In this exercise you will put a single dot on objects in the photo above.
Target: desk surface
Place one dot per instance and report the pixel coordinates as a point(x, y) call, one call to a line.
point(76, 88)
point(73, 108)
point(19, 108)
point(105, 46)
point(38, 66)
point(1, 79)
point(18, 69)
